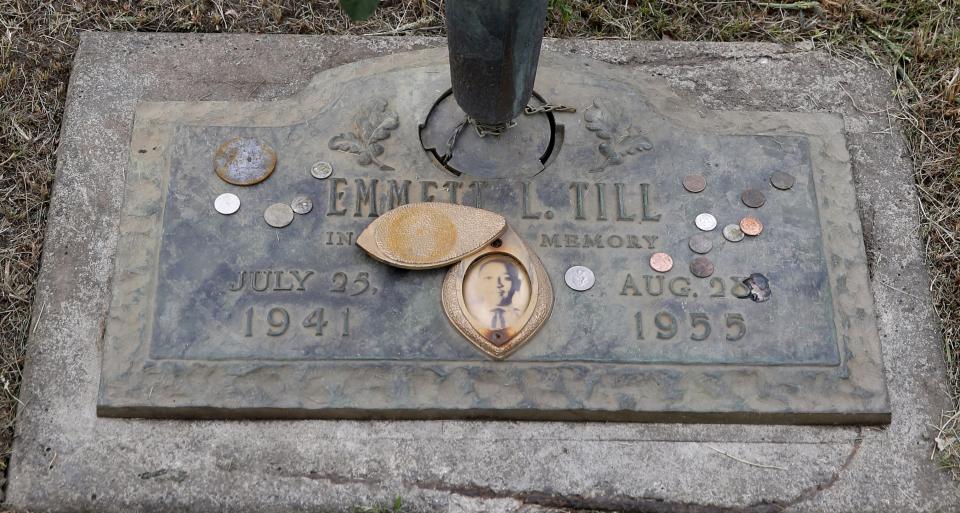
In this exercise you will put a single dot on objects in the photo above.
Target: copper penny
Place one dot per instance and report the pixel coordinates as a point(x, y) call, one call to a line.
point(752, 198)
point(694, 183)
point(661, 262)
point(782, 181)
point(701, 267)
point(751, 226)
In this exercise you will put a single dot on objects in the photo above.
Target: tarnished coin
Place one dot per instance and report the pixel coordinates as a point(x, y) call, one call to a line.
point(701, 267)
point(706, 222)
point(700, 243)
point(227, 203)
point(694, 183)
point(661, 262)
point(782, 181)
point(579, 278)
point(278, 215)
point(301, 205)
point(244, 161)
point(751, 226)
point(321, 170)
point(732, 233)
point(752, 198)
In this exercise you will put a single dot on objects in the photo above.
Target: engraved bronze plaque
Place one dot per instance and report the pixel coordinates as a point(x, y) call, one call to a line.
point(225, 317)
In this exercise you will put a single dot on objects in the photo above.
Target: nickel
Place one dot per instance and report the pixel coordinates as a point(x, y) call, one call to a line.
point(701, 267)
point(752, 198)
point(732, 233)
point(227, 203)
point(278, 215)
point(661, 262)
point(706, 222)
point(321, 170)
point(694, 183)
point(579, 278)
point(751, 226)
point(301, 205)
point(782, 181)
point(700, 243)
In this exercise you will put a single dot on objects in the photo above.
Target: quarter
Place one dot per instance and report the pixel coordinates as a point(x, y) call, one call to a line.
point(701, 267)
point(227, 203)
point(579, 278)
point(694, 183)
point(751, 226)
point(700, 243)
point(706, 222)
point(661, 262)
point(321, 170)
point(732, 233)
point(278, 215)
point(752, 198)
point(782, 181)
point(301, 205)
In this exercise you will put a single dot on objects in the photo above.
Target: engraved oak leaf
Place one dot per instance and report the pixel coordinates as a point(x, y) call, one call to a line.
point(606, 119)
point(372, 124)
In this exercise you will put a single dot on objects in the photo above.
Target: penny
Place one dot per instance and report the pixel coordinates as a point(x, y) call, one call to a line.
point(321, 170)
point(700, 243)
point(732, 233)
point(227, 203)
point(661, 262)
point(694, 183)
point(752, 198)
point(244, 161)
point(579, 278)
point(701, 267)
point(301, 205)
point(751, 226)
point(278, 215)
point(782, 181)
point(706, 222)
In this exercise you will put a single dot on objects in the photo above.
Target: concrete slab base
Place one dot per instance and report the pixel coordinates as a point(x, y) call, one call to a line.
point(67, 459)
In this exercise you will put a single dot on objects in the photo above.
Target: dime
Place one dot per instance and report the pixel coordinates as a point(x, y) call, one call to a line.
point(752, 198)
point(732, 233)
point(661, 262)
point(700, 243)
point(694, 183)
point(244, 161)
point(321, 170)
point(782, 181)
point(278, 215)
point(227, 203)
point(579, 278)
point(751, 226)
point(701, 267)
point(301, 205)
point(706, 222)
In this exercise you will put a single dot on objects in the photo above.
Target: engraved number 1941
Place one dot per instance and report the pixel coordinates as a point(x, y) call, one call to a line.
point(277, 321)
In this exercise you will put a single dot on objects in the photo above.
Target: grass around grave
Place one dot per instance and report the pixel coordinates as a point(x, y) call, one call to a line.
point(916, 41)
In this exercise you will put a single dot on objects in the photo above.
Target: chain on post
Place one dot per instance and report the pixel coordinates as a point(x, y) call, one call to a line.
point(499, 129)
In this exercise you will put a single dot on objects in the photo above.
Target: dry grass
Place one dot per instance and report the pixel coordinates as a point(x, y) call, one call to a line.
point(918, 41)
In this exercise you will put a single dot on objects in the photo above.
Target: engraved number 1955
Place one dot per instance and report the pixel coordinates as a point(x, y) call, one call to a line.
point(667, 326)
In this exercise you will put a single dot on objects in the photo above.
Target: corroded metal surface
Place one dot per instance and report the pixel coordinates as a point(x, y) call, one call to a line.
point(244, 161)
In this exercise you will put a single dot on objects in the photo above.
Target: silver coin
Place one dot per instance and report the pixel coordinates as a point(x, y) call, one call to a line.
point(227, 203)
point(278, 215)
point(700, 243)
point(579, 278)
point(706, 222)
point(321, 170)
point(733, 233)
point(301, 205)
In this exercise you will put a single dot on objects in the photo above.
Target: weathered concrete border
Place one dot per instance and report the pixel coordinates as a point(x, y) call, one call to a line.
point(67, 459)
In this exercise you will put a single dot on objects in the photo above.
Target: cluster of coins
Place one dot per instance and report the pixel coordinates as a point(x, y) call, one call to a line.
point(701, 243)
point(249, 161)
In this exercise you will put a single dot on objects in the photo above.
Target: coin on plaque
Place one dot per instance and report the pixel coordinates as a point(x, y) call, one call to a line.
point(498, 297)
point(321, 170)
point(227, 203)
point(244, 161)
point(579, 278)
point(732, 233)
point(700, 243)
point(301, 205)
point(752, 198)
point(661, 262)
point(751, 226)
point(782, 181)
point(694, 183)
point(701, 267)
point(705, 222)
point(430, 235)
point(278, 215)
